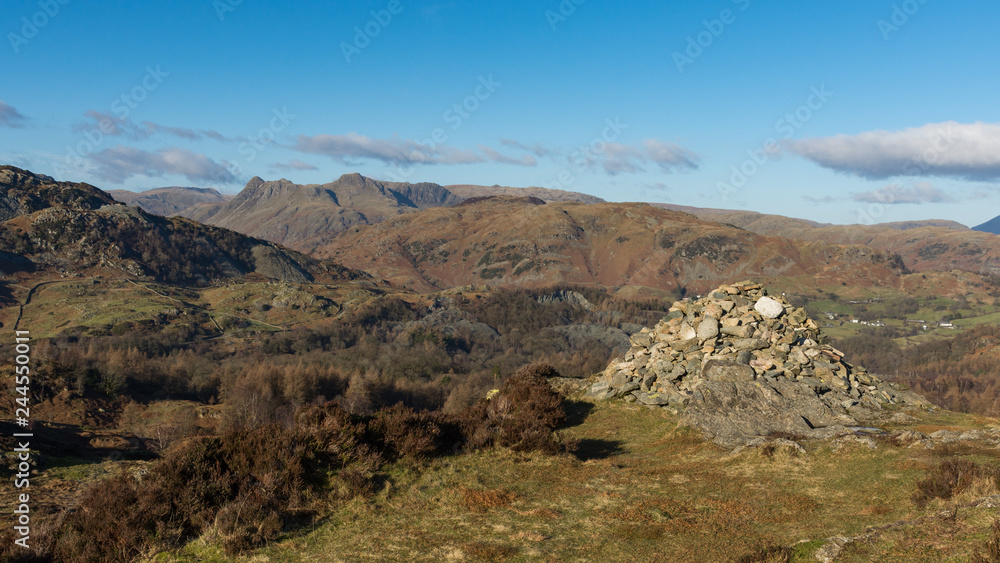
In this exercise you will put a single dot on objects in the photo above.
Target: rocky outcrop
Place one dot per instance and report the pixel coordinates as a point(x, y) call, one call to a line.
point(742, 364)
point(23, 192)
point(76, 227)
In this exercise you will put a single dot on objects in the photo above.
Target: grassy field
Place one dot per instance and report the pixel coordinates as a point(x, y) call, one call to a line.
point(640, 488)
point(60, 305)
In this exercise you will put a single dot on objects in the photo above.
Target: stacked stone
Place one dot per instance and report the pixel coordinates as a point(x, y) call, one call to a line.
point(736, 333)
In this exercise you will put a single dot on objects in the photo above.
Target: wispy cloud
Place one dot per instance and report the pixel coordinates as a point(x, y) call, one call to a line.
point(10, 117)
point(919, 192)
point(983, 192)
point(613, 158)
point(389, 151)
point(669, 155)
point(536, 149)
point(294, 164)
point(184, 133)
point(115, 126)
point(824, 199)
point(949, 149)
point(494, 156)
point(120, 163)
point(618, 158)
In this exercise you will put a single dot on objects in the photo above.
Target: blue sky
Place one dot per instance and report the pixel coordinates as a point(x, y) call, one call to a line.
point(843, 112)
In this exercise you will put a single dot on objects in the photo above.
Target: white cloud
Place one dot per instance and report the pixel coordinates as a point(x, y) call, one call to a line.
point(114, 126)
point(121, 163)
point(526, 160)
point(617, 158)
point(294, 164)
point(536, 149)
point(919, 192)
point(389, 151)
point(824, 199)
point(613, 158)
point(969, 151)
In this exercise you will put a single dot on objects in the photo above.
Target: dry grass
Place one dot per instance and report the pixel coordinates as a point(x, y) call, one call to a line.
point(486, 551)
point(482, 501)
point(656, 489)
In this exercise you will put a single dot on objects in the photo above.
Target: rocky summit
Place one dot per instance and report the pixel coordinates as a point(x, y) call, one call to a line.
point(741, 365)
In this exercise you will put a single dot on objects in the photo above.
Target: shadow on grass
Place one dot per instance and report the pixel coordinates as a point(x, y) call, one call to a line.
point(576, 412)
point(6, 295)
point(590, 448)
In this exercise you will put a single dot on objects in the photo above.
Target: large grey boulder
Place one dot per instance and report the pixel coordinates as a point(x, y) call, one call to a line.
point(725, 370)
point(730, 413)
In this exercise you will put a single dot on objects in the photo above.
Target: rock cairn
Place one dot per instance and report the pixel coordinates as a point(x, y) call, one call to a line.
point(741, 363)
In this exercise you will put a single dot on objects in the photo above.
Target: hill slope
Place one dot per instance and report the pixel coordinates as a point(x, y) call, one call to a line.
point(924, 246)
point(512, 241)
point(467, 191)
point(76, 227)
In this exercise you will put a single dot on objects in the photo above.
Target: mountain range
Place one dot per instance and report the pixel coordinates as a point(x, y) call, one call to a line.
point(932, 245)
point(427, 236)
point(304, 216)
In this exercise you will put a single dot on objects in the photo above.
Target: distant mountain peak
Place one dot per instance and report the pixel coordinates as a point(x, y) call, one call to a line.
point(353, 178)
point(991, 226)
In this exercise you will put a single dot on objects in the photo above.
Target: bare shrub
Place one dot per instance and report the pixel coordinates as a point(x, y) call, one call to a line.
point(992, 546)
point(767, 554)
point(952, 477)
point(404, 432)
point(522, 416)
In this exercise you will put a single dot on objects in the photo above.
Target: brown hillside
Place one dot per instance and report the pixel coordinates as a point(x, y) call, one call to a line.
point(925, 246)
point(549, 195)
point(512, 242)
